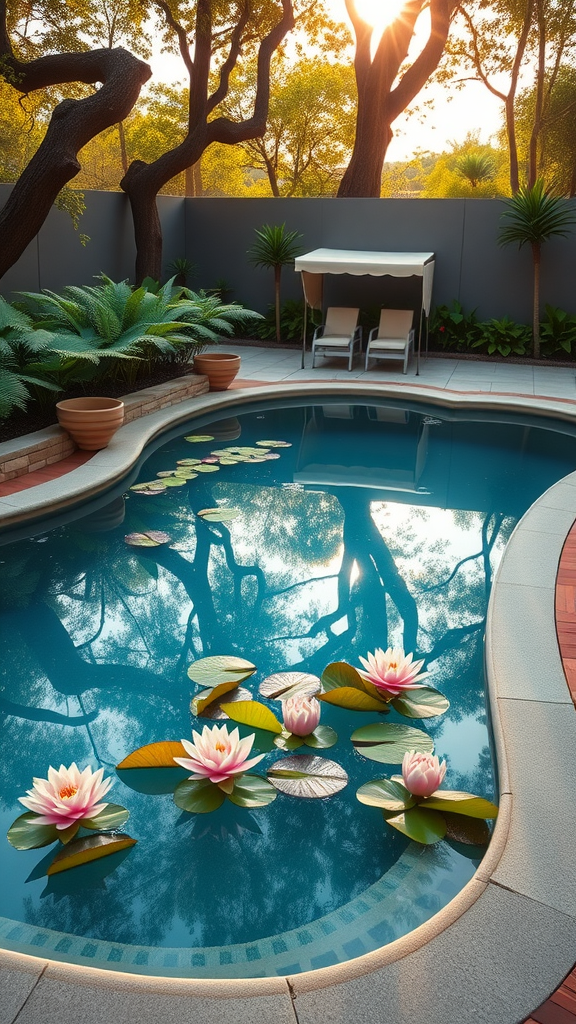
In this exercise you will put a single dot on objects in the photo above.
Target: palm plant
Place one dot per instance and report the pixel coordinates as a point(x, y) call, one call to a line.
point(275, 247)
point(535, 216)
point(208, 318)
point(476, 168)
point(19, 367)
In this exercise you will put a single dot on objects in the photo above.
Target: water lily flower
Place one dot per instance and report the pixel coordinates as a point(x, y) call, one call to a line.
point(422, 773)
point(392, 672)
point(67, 796)
point(218, 756)
point(301, 715)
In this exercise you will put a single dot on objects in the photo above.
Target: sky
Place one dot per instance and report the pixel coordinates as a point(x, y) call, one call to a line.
point(452, 115)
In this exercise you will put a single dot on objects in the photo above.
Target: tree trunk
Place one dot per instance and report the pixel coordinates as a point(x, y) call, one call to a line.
point(147, 227)
point(123, 150)
point(536, 303)
point(193, 180)
point(363, 176)
point(540, 84)
point(72, 125)
point(277, 273)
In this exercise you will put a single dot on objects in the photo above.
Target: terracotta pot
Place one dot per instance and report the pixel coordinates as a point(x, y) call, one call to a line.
point(91, 422)
point(219, 367)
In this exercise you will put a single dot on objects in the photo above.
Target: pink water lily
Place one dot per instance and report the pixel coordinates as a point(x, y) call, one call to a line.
point(301, 715)
point(218, 756)
point(67, 796)
point(422, 773)
point(392, 671)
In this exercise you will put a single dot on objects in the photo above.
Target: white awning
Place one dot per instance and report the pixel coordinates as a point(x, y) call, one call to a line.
point(359, 262)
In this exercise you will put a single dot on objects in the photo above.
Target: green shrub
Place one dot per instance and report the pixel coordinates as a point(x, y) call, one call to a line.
point(558, 332)
point(21, 371)
point(291, 322)
point(452, 328)
point(503, 337)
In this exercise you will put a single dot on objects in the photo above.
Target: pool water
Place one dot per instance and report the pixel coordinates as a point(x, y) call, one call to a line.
point(381, 525)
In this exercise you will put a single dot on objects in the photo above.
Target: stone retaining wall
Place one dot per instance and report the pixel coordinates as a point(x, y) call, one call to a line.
point(44, 447)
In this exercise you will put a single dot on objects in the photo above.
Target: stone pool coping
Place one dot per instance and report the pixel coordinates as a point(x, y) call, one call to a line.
point(509, 937)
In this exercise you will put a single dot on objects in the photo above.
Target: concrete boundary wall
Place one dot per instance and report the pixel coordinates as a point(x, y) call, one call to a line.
point(216, 233)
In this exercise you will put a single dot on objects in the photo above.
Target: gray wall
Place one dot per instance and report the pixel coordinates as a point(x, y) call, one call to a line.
point(215, 234)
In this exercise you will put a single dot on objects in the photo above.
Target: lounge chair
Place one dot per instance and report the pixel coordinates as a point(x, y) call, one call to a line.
point(393, 338)
point(340, 335)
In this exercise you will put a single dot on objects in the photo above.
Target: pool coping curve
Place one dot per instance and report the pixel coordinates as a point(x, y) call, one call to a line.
point(505, 942)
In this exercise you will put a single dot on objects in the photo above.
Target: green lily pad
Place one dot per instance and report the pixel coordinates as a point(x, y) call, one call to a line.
point(461, 803)
point(111, 818)
point(255, 459)
point(150, 487)
point(186, 474)
point(89, 848)
point(307, 776)
point(175, 481)
point(387, 743)
point(195, 438)
point(165, 472)
point(198, 796)
point(288, 741)
point(207, 468)
point(251, 713)
point(352, 699)
point(387, 794)
point(426, 827)
point(322, 738)
point(149, 539)
point(26, 834)
point(341, 674)
point(425, 702)
point(282, 685)
point(252, 791)
point(230, 462)
point(219, 515)
point(269, 456)
point(214, 711)
point(220, 669)
point(154, 755)
point(274, 444)
point(189, 462)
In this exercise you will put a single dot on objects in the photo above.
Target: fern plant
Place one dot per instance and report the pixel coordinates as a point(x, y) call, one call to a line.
point(20, 369)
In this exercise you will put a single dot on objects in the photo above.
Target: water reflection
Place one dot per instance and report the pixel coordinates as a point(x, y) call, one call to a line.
point(391, 537)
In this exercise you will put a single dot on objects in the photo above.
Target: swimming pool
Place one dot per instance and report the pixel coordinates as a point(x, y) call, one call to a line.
point(391, 473)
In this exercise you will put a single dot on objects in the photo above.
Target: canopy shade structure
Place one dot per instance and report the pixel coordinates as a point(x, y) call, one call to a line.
point(357, 262)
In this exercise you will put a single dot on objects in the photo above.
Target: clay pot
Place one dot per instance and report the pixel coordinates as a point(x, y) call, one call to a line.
point(91, 422)
point(219, 367)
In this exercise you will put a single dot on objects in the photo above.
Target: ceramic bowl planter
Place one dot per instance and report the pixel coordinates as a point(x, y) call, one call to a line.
point(91, 422)
point(220, 368)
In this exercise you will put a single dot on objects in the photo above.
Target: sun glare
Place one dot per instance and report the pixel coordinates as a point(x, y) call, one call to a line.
point(379, 13)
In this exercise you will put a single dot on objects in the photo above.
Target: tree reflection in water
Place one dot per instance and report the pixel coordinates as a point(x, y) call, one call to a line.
point(96, 639)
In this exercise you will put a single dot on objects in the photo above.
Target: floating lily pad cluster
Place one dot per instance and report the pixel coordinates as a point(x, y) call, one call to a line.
point(188, 469)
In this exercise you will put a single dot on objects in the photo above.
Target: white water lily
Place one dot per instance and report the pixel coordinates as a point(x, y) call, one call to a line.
point(218, 755)
point(67, 796)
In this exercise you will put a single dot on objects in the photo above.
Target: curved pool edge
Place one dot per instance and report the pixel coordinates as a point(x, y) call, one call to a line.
point(511, 932)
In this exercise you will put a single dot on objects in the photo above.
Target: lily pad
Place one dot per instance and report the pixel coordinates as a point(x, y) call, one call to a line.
point(149, 539)
point(213, 710)
point(352, 699)
point(219, 515)
point(195, 438)
point(387, 794)
point(307, 776)
point(26, 834)
point(252, 713)
point(203, 468)
point(426, 827)
point(282, 685)
point(322, 738)
point(230, 462)
point(220, 669)
point(254, 459)
point(461, 803)
point(189, 462)
point(154, 755)
point(252, 791)
point(210, 459)
point(150, 487)
point(269, 456)
point(175, 481)
point(111, 818)
point(89, 848)
point(425, 702)
point(198, 796)
point(165, 472)
point(274, 444)
point(186, 474)
point(387, 743)
point(341, 674)
point(205, 698)
point(288, 741)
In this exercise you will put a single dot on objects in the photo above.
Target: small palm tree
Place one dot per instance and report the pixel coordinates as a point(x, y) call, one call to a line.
point(535, 216)
point(275, 247)
point(476, 168)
